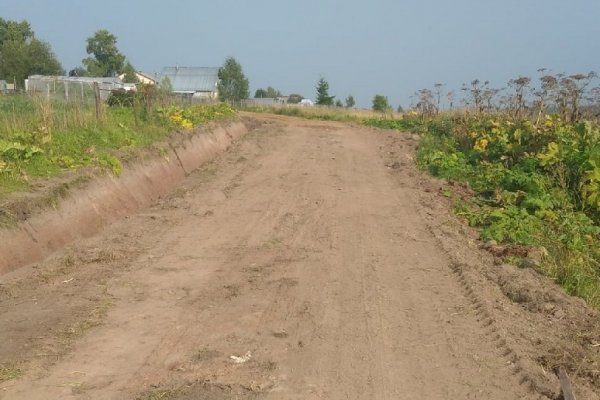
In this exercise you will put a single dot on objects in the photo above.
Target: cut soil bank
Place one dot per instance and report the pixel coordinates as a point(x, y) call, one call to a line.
point(81, 212)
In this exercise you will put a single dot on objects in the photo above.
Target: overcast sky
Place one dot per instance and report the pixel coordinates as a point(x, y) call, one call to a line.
point(363, 48)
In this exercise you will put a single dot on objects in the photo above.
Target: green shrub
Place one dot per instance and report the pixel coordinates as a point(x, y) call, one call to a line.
point(122, 98)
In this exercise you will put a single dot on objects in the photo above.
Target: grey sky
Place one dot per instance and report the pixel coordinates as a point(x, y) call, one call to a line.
point(361, 47)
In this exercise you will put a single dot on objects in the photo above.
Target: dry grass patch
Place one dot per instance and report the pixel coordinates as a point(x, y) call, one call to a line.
point(9, 372)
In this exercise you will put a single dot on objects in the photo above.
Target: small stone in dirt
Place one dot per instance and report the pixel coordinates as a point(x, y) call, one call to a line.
point(548, 307)
point(282, 334)
point(394, 165)
point(559, 314)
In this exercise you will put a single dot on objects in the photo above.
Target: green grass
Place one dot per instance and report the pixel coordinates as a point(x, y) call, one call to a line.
point(339, 114)
point(389, 120)
point(40, 139)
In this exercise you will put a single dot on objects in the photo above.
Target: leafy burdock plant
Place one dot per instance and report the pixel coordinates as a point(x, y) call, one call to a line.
point(535, 186)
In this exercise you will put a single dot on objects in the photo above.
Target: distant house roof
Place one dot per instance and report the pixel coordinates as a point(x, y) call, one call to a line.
point(144, 77)
point(191, 79)
point(149, 76)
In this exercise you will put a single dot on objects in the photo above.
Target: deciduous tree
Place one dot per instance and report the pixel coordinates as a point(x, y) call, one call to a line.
point(15, 31)
point(105, 58)
point(21, 54)
point(380, 103)
point(233, 84)
point(350, 102)
point(269, 92)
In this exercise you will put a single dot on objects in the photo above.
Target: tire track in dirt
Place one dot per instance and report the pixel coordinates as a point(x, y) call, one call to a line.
point(480, 283)
point(486, 319)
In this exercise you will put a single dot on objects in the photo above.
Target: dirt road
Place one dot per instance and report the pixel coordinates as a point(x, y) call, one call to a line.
point(303, 264)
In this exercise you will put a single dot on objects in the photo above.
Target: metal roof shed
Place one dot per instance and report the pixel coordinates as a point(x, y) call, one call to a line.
point(200, 81)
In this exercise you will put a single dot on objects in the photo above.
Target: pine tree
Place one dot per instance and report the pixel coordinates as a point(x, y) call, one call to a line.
point(323, 97)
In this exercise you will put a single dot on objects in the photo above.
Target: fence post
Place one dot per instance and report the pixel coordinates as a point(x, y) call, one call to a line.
point(98, 101)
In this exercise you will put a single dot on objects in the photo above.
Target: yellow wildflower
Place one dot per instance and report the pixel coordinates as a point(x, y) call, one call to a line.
point(186, 124)
point(176, 117)
point(481, 145)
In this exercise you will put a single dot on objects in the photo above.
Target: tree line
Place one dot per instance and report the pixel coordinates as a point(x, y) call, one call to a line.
point(22, 54)
point(323, 98)
point(379, 103)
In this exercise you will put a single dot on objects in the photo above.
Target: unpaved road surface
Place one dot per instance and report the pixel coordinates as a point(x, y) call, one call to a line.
point(305, 263)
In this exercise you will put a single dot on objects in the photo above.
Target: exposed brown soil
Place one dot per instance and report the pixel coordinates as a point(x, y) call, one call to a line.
point(67, 208)
point(310, 261)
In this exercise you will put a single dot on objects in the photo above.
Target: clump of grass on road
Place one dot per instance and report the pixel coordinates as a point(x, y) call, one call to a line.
point(9, 372)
